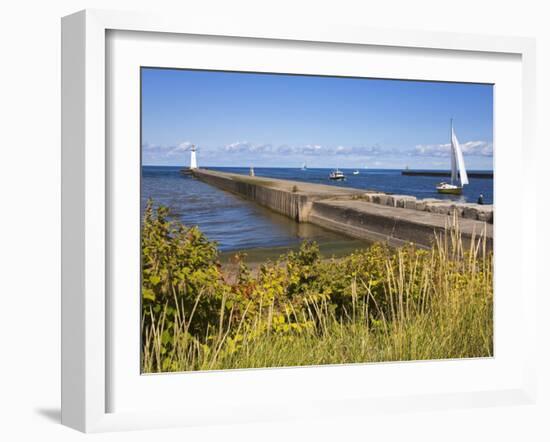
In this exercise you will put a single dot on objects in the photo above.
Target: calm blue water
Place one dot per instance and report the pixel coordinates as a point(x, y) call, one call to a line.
point(239, 224)
point(384, 180)
point(232, 221)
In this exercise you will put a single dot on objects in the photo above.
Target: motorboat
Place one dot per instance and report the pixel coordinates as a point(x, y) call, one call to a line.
point(337, 175)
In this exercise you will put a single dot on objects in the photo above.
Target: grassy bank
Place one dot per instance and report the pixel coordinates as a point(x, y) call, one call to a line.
point(376, 304)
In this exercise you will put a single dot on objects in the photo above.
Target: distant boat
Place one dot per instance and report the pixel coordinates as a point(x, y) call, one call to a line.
point(356, 172)
point(337, 175)
point(251, 172)
point(458, 169)
point(304, 166)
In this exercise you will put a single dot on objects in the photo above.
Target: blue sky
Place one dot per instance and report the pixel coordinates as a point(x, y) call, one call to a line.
point(272, 120)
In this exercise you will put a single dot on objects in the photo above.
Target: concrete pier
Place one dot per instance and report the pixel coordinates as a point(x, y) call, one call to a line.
point(471, 174)
point(395, 219)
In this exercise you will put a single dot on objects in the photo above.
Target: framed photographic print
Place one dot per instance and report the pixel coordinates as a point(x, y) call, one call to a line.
point(252, 212)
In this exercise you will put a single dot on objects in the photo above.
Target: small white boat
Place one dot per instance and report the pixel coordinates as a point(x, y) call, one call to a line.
point(304, 166)
point(356, 172)
point(337, 175)
point(458, 169)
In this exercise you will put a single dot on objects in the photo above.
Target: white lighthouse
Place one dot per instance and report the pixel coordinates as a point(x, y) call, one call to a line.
point(193, 164)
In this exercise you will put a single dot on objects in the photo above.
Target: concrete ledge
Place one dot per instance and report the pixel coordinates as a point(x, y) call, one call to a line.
point(433, 205)
point(361, 232)
point(372, 221)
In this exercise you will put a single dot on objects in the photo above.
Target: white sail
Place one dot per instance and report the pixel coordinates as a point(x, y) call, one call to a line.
point(458, 159)
point(454, 175)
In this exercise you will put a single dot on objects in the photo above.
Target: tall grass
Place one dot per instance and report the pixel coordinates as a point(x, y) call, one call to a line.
point(375, 305)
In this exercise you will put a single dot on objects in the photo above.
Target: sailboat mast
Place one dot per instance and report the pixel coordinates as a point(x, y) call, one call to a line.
point(452, 153)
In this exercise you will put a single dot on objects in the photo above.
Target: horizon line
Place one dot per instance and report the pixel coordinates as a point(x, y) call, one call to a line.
point(299, 168)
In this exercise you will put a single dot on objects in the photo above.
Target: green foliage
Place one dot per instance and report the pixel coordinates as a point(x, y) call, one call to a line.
point(375, 304)
point(181, 281)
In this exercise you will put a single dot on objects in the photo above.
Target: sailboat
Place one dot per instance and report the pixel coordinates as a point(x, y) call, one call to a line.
point(458, 169)
point(304, 166)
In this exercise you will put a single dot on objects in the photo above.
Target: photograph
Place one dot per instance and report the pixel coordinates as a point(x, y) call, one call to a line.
point(304, 220)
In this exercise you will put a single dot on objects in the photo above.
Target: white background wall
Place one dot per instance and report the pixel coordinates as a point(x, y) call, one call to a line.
point(30, 213)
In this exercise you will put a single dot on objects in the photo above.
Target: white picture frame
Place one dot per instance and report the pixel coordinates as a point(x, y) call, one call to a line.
point(87, 212)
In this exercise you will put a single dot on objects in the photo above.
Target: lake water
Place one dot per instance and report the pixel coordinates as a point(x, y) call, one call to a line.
point(237, 224)
point(384, 180)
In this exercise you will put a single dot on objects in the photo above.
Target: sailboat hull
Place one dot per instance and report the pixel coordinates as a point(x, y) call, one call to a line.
point(450, 191)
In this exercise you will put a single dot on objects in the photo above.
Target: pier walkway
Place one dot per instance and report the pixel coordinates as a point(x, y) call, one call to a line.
point(365, 214)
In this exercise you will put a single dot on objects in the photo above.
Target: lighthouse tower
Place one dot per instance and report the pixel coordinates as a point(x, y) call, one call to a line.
point(193, 164)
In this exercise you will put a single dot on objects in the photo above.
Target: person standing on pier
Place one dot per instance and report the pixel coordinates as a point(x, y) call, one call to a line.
point(480, 199)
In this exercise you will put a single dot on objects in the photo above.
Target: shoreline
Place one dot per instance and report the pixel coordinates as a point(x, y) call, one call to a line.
point(328, 249)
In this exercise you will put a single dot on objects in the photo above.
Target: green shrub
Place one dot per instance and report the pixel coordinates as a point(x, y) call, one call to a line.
point(375, 304)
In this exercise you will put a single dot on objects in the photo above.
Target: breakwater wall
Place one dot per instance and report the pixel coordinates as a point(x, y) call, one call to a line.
point(471, 174)
point(293, 199)
point(396, 219)
point(395, 226)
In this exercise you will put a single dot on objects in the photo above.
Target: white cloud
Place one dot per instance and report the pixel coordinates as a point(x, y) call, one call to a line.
point(372, 154)
point(182, 147)
point(307, 149)
point(245, 146)
point(470, 148)
point(160, 150)
point(483, 148)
